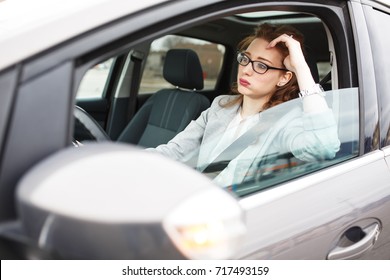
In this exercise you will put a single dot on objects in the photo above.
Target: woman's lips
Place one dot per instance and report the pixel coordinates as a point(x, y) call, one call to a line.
point(244, 82)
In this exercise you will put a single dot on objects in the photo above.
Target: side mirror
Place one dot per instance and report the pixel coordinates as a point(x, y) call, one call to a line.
point(114, 201)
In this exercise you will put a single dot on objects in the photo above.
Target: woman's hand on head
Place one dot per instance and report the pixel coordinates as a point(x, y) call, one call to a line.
point(295, 60)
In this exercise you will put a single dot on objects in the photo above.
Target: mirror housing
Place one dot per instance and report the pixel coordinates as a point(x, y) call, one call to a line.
point(115, 201)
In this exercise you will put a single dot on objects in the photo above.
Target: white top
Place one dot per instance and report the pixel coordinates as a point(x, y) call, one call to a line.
point(237, 127)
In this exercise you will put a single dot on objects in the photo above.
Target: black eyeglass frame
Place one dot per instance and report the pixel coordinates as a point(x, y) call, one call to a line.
point(253, 67)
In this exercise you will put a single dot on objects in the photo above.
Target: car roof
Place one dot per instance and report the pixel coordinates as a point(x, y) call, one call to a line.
point(29, 27)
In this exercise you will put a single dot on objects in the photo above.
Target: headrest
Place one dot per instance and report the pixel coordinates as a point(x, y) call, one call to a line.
point(182, 68)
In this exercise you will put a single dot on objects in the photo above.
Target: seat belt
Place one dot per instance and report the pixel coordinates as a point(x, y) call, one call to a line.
point(235, 148)
point(326, 78)
point(137, 58)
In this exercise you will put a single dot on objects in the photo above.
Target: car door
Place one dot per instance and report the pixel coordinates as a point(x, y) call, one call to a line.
point(315, 217)
point(378, 15)
point(340, 212)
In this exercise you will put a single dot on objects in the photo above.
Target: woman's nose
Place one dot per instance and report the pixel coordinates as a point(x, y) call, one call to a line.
point(247, 69)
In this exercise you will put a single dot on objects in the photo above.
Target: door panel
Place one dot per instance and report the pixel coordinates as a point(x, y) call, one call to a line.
point(307, 218)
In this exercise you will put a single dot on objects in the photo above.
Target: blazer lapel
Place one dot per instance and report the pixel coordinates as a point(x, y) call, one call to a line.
point(217, 123)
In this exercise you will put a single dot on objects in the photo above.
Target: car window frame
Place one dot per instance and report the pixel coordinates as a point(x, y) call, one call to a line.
point(374, 18)
point(117, 37)
point(8, 83)
point(27, 135)
point(325, 13)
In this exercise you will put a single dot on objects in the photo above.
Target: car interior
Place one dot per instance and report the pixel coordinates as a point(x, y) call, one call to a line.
point(129, 122)
point(169, 110)
point(149, 93)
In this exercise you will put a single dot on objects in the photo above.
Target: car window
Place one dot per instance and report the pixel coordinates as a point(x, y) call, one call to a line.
point(254, 170)
point(94, 81)
point(266, 161)
point(324, 68)
point(210, 56)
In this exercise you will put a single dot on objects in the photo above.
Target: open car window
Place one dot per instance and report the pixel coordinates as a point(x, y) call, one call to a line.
point(95, 80)
point(267, 160)
point(253, 166)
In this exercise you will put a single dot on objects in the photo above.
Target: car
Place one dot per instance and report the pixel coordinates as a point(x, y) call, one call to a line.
point(86, 88)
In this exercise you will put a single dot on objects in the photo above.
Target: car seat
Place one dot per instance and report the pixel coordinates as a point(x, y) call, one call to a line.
point(170, 110)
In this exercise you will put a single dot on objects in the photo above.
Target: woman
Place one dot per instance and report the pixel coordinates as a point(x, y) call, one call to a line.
point(272, 69)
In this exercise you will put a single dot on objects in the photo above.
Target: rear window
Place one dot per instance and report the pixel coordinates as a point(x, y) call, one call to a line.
point(210, 56)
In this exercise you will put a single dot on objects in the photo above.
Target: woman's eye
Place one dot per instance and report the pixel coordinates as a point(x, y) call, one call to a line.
point(261, 66)
point(244, 59)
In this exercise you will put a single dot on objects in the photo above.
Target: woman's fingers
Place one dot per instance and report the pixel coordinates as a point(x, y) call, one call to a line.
point(284, 39)
point(295, 57)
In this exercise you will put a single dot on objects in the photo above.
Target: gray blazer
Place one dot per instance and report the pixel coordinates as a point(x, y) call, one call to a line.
point(307, 136)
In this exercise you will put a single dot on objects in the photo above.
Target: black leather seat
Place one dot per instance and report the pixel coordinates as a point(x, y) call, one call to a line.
point(169, 111)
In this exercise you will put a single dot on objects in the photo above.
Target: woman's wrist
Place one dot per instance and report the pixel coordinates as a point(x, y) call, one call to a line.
point(313, 100)
point(315, 89)
point(304, 78)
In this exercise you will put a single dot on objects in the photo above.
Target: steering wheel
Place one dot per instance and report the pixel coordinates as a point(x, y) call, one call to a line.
point(86, 128)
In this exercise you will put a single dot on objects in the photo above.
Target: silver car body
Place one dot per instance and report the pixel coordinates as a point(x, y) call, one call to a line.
point(307, 217)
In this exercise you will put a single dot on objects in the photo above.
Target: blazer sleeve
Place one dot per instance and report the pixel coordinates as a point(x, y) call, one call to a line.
point(312, 136)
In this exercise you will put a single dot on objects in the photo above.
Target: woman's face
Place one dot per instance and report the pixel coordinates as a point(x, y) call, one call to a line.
point(257, 85)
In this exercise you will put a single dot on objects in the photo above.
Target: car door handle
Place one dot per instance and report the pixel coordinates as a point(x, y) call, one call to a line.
point(357, 249)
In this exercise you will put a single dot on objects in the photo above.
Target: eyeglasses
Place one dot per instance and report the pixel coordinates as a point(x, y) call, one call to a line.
point(257, 66)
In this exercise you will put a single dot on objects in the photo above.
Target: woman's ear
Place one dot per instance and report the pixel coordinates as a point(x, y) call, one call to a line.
point(285, 78)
